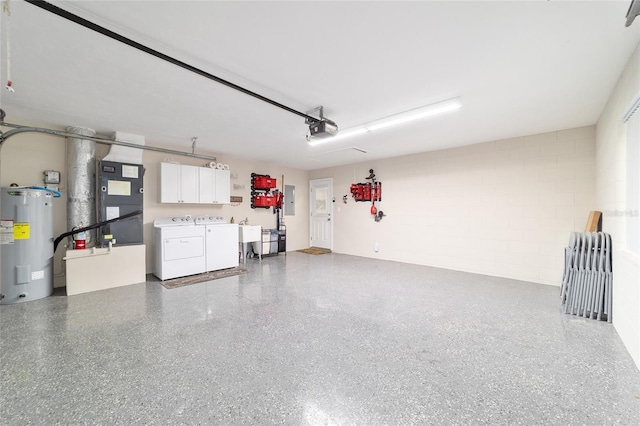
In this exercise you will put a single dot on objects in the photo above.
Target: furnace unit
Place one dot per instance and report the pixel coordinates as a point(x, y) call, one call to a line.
point(120, 190)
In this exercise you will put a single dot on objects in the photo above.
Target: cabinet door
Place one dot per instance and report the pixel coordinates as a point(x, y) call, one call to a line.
point(169, 183)
point(189, 187)
point(223, 186)
point(207, 184)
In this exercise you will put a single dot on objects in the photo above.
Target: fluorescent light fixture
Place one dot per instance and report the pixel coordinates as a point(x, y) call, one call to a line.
point(394, 120)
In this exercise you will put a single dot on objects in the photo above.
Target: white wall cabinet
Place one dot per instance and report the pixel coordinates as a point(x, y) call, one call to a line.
point(215, 186)
point(178, 183)
point(191, 184)
point(207, 185)
point(223, 186)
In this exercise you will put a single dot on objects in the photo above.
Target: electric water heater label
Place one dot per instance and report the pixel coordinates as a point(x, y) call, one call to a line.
point(21, 231)
point(6, 232)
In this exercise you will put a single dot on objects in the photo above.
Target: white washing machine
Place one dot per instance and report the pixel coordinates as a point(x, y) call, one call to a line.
point(221, 242)
point(179, 247)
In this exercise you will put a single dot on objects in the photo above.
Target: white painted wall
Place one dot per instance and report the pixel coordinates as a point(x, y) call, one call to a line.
point(24, 157)
point(504, 208)
point(611, 166)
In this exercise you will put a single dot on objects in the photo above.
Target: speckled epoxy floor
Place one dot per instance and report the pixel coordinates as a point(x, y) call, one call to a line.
point(316, 340)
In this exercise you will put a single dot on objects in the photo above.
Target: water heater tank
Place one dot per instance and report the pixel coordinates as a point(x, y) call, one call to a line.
point(26, 244)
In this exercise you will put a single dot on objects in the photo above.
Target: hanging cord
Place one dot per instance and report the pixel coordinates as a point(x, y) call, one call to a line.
point(6, 8)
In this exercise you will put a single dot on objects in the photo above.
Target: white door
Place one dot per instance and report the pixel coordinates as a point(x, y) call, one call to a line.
point(321, 208)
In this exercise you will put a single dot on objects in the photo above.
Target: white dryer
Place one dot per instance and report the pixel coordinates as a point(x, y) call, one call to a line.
point(179, 247)
point(221, 242)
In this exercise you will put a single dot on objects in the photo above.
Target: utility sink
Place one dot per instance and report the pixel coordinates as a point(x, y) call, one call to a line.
point(249, 233)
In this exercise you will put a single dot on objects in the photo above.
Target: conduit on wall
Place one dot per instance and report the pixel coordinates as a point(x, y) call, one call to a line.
point(17, 129)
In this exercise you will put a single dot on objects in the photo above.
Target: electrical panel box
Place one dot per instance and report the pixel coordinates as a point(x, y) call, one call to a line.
point(121, 191)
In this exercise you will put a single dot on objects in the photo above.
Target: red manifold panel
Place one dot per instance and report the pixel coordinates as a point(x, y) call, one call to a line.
point(264, 182)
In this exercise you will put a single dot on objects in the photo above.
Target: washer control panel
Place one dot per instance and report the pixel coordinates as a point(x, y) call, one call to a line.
point(173, 221)
point(208, 220)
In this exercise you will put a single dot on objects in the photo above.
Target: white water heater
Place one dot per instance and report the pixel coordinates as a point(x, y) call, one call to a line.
point(26, 244)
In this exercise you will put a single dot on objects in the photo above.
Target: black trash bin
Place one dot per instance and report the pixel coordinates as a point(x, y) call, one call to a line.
point(282, 240)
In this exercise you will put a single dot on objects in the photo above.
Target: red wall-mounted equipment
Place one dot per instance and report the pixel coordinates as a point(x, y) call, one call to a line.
point(356, 191)
point(376, 191)
point(367, 191)
point(370, 191)
point(261, 195)
point(263, 200)
point(279, 196)
point(263, 182)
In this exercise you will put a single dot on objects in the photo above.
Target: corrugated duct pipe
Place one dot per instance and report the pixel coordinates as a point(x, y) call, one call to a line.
point(81, 181)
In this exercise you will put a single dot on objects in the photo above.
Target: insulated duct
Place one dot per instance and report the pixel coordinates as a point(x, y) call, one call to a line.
point(81, 181)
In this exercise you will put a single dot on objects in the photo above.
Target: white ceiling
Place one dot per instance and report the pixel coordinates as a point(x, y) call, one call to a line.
point(520, 68)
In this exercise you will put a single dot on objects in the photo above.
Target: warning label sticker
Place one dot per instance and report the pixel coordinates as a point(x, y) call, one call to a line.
point(21, 231)
point(6, 232)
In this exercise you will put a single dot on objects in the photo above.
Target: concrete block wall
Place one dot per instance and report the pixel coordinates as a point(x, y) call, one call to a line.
point(504, 208)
